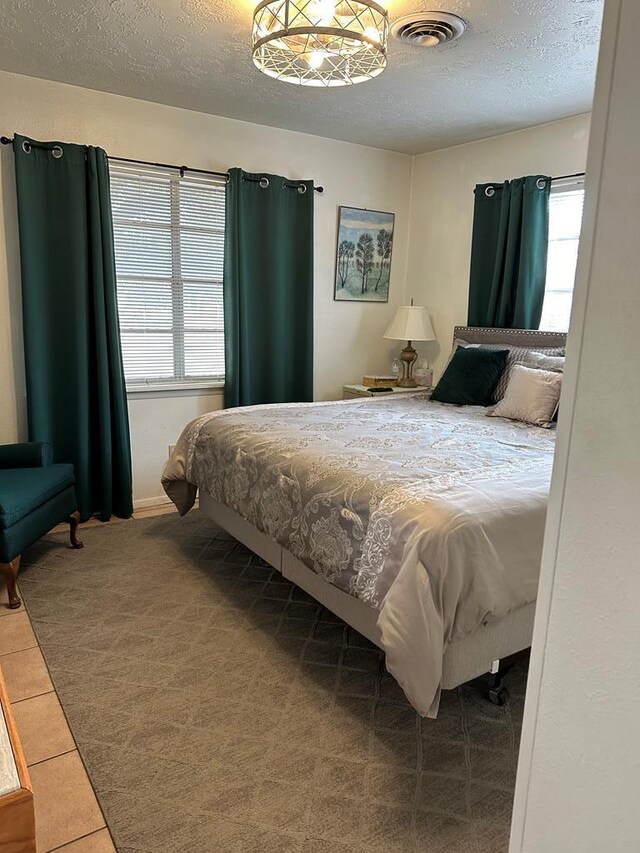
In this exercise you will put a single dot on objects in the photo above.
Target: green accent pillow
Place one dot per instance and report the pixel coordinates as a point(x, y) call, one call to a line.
point(471, 376)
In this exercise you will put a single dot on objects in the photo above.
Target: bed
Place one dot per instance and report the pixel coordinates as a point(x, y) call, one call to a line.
point(418, 523)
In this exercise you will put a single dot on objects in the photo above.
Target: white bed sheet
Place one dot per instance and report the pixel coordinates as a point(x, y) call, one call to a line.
point(432, 514)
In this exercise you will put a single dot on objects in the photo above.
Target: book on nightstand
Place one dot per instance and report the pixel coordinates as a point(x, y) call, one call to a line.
point(371, 381)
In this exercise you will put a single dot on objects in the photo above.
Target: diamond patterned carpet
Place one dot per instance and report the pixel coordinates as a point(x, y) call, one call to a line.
point(218, 708)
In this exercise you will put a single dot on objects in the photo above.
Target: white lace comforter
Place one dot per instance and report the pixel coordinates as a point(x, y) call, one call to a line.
point(432, 514)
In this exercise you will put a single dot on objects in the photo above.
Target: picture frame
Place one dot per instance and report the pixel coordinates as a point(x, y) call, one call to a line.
point(364, 249)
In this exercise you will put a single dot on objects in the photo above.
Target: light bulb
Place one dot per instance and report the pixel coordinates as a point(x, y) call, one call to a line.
point(372, 33)
point(316, 58)
point(322, 11)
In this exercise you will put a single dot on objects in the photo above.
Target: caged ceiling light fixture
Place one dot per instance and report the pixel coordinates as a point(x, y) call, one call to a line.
point(320, 42)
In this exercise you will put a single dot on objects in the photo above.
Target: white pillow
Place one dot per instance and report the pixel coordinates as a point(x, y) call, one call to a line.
point(544, 362)
point(517, 355)
point(532, 396)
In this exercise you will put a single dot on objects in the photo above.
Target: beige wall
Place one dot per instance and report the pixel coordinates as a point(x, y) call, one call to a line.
point(579, 770)
point(348, 338)
point(431, 196)
point(442, 211)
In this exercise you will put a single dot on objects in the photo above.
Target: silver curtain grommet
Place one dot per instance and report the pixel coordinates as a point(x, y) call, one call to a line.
point(541, 183)
point(264, 183)
point(57, 152)
point(302, 188)
point(26, 146)
point(490, 191)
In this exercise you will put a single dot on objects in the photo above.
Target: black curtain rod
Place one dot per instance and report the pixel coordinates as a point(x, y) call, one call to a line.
point(5, 140)
point(181, 169)
point(566, 177)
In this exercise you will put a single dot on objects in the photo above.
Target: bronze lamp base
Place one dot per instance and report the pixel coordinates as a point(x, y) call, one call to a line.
point(407, 357)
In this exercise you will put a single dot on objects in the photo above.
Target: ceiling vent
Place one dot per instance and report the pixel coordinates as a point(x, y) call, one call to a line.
point(428, 29)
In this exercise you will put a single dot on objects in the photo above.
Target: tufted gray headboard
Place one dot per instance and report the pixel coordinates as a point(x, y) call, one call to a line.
point(512, 337)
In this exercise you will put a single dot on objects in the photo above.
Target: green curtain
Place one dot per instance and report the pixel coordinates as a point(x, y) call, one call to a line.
point(509, 253)
point(268, 290)
point(76, 397)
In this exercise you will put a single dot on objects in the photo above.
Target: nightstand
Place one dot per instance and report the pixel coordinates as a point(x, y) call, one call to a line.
point(351, 391)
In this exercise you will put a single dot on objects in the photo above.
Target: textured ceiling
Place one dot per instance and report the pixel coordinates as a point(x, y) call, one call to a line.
point(522, 62)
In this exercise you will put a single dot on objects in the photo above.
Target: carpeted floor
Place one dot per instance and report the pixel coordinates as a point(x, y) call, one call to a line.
point(218, 708)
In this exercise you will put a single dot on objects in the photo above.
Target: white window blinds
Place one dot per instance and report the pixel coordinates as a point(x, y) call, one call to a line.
point(169, 246)
point(565, 220)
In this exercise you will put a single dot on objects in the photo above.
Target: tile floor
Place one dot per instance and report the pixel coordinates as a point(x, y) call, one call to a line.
point(72, 823)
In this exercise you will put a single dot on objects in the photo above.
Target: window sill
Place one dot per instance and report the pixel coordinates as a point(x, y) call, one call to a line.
point(186, 389)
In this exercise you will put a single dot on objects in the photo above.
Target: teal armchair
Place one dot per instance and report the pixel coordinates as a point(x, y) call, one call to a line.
point(35, 496)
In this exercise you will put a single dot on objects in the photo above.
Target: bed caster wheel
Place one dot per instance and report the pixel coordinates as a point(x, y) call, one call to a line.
point(498, 696)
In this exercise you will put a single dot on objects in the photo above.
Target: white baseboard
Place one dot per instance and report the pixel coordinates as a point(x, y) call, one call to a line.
point(158, 502)
point(143, 503)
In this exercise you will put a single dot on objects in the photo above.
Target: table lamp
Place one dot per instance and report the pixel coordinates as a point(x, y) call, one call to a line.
point(411, 323)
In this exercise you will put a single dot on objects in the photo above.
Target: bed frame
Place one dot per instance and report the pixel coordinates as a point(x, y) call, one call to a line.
point(466, 658)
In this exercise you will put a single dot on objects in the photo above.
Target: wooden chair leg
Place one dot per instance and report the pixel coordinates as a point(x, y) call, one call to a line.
point(10, 572)
point(74, 520)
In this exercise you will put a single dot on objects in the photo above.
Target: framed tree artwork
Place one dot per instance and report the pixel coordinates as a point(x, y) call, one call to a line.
point(363, 256)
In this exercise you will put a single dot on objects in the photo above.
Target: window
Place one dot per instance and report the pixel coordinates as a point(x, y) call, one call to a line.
point(169, 245)
point(565, 219)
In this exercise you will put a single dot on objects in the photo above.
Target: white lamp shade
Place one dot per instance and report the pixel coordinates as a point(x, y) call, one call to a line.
point(411, 323)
